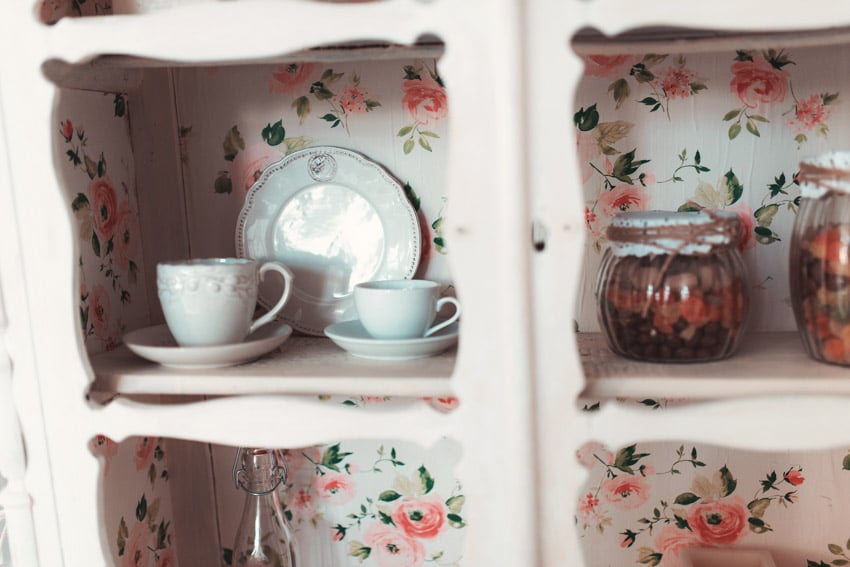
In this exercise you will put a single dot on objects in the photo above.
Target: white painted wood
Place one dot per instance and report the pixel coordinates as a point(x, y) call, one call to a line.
point(123, 72)
point(163, 35)
point(302, 365)
point(555, 191)
point(666, 40)
point(50, 367)
point(518, 370)
point(269, 421)
point(769, 423)
point(28, 497)
point(15, 502)
point(615, 16)
point(489, 229)
point(766, 364)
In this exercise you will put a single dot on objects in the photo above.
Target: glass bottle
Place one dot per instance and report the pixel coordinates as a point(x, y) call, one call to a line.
point(819, 262)
point(263, 537)
point(672, 286)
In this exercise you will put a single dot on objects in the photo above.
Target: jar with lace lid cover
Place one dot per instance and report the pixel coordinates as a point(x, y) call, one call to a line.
point(819, 262)
point(672, 286)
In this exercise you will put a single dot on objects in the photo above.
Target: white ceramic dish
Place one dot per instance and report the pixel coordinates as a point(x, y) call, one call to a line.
point(351, 336)
point(335, 218)
point(156, 344)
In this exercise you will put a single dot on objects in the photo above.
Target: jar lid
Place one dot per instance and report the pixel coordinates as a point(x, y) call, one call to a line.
point(824, 173)
point(664, 232)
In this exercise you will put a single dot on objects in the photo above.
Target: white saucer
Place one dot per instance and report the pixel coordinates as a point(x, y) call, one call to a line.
point(157, 344)
point(351, 336)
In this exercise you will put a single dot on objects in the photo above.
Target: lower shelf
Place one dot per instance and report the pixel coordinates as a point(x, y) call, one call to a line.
point(767, 363)
point(302, 365)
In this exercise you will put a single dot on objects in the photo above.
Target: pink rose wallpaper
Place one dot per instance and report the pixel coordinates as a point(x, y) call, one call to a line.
point(715, 130)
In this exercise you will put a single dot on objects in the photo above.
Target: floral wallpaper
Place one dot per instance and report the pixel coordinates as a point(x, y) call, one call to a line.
point(351, 502)
point(642, 504)
point(384, 504)
point(93, 144)
point(722, 130)
point(719, 130)
point(135, 473)
point(236, 121)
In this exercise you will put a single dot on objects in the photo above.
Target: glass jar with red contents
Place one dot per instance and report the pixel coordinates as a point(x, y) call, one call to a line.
point(672, 286)
point(819, 263)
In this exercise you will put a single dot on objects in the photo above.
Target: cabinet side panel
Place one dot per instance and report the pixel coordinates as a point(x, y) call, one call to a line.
point(193, 499)
point(159, 176)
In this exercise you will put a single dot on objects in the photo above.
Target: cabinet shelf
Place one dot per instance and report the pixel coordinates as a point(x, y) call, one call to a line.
point(676, 40)
point(302, 365)
point(767, 364)
point(205, 32)
point(780, 422)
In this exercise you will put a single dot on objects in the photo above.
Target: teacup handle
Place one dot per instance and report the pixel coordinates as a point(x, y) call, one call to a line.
point(440, 303)
point(287, 291)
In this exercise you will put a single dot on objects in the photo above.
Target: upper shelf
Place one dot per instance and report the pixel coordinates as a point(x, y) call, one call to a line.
point(682, 40)
point(741, 16)
point(302, 365)
point(124, 72)
point(767, 363)
point(205, 33)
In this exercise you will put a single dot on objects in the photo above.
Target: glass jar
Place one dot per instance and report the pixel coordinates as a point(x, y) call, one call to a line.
point(819, 263)
point(672, 286)
point(263, 538)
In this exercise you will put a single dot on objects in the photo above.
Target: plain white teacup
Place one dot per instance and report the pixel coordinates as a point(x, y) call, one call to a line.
point(211, 301)
point(401, 309)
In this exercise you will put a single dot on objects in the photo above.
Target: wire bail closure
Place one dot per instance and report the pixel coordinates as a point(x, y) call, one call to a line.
point(280, 470)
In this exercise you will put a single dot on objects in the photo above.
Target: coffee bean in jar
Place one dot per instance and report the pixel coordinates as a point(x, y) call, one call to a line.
point(819, 263)
point(672, 286)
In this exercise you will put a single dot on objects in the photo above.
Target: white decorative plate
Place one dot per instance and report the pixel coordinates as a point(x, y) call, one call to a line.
point(335, 218)
point(156, 344)
point(351, 336)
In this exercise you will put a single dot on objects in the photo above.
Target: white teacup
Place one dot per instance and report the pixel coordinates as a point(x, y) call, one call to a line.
point(211, 301)
point(401, 309)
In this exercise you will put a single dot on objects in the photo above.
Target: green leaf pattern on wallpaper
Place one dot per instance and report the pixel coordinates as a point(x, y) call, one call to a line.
point(710, 512)
point(620, 175)
point(659, 79)
point(340, 95)
point(143, 536)
point(390, 511)
point(107, 226)
point(426, 102)
point(332, 97)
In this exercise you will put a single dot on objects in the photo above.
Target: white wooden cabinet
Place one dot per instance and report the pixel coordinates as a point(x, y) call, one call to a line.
point(53, 376)
point(796, 403)
point(518, 369)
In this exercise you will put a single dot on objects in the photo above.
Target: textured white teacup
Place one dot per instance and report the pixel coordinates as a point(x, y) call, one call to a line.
point(401, 309)
point(211, 301)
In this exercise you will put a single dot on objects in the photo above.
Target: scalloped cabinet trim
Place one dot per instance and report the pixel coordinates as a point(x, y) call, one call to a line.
point(510, 72)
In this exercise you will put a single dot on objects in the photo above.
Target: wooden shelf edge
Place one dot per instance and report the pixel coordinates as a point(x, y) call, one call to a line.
point(272, 421)
point(673, 40)
point(767, 364)
point(302, 365)
point(204, 34)
point(769, 423)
